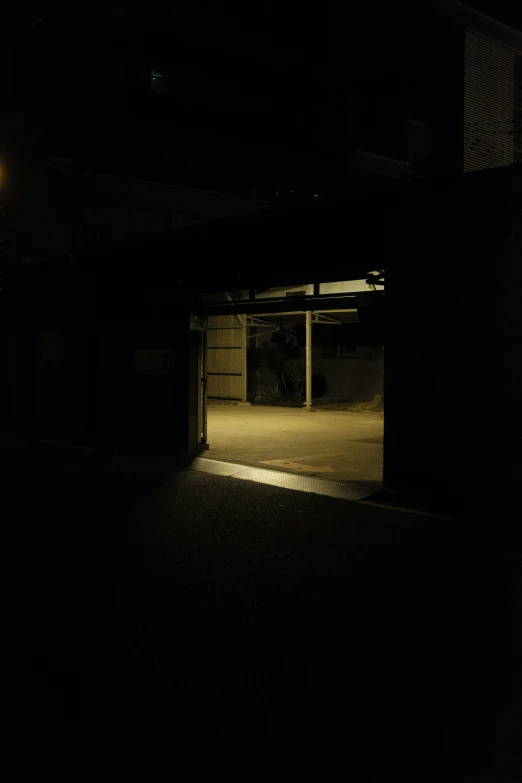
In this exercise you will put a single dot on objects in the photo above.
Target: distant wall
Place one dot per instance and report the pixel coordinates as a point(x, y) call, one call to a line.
point(354, 378)
point(346, 377)
point(341, 378)
point(263, 373)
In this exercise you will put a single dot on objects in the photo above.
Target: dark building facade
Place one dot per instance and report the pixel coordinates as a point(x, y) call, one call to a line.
point(111, 349)
point(453, 347)
point(96, 357)
point(126, 122)
point(117, 116)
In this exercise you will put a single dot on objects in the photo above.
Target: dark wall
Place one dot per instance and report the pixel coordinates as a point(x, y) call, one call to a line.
point(111, 368)
point(427, 423)
point(139, 404)
point(64, 378)
point(443, 99)
point(350, 378)
point(281, 105)
point(53, 210)
point(453, 373)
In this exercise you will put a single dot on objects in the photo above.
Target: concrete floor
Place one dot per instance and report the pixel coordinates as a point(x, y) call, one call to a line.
point(336, 445)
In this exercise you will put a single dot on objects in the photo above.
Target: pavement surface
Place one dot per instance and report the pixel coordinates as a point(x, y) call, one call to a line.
point(338, 445)
point(202, 627)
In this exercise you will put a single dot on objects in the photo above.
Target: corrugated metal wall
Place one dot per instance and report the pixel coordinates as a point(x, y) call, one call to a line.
point(224, 357)
point(489, 92)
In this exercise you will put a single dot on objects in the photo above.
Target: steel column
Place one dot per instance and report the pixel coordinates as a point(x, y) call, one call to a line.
point(308, 354)
point(244, 343)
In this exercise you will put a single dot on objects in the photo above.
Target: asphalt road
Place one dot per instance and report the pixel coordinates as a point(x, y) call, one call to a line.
point(206, 627)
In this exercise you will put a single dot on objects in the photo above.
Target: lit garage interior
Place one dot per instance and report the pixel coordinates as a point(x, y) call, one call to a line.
point(296, 383)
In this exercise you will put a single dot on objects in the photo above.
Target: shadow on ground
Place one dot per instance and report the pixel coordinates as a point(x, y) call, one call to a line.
point(230, 628)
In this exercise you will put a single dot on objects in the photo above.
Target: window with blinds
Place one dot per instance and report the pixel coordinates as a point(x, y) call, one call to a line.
point(518, 108)
point(489, 103)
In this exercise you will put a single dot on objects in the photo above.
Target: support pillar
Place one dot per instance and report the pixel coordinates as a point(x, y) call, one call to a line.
point(308, 354)
point(243, 359)
point(244, 367)
point(203, 387)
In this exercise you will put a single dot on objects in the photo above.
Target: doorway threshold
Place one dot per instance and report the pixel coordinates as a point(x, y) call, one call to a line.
point(345, 490)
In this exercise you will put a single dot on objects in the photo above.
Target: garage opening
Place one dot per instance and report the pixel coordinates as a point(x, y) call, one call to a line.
point(294, 378)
